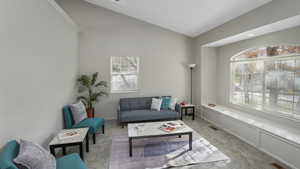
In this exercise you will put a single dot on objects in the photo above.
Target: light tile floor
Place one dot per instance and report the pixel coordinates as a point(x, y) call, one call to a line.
point(243, 155)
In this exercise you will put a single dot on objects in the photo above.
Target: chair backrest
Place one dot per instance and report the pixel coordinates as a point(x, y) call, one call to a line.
point(68, 117)
point(8, 153)
point(137, 103)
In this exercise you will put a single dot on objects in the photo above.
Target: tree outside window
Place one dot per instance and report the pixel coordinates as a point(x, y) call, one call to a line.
point(124, 74)
point(267, 78)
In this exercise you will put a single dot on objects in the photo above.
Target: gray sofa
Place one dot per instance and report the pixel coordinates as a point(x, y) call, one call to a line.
point(139, 110)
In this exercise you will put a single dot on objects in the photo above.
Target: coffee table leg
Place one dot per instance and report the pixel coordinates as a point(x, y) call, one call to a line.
point(81, 150)
point(191, 141)
point(87, 143)
point(130, 147)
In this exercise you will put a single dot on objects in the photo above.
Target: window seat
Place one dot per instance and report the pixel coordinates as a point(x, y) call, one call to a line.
point(284, 132)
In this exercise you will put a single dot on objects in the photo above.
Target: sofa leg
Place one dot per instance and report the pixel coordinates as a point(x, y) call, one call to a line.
point(94, 138)
point(103, 129)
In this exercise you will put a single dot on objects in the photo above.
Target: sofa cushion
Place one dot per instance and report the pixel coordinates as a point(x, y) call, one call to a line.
point(92, 123)
point(72, 161)
point(8, 153)
point(146, 115)
point(140, 103)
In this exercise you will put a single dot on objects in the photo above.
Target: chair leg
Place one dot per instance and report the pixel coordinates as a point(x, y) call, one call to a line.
point(103, 129)
point(94, 138)
point(122, 125)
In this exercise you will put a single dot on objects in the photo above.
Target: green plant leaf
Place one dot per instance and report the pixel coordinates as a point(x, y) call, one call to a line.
point(89, 83)
point(101, 83)
point(84, 80)
point(81, 89)
point(95, 96)
point(83, 99)
point(94, 78)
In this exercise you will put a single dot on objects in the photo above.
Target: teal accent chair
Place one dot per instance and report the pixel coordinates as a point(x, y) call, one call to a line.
point(94, 124)
point(11, 150)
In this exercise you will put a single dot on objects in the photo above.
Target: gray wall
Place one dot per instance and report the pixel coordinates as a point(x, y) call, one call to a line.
point(163, 54)
point(209, 82)
point(39, 62)
point(269, 13)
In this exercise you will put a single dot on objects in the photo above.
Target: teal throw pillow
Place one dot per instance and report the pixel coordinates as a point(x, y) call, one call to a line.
point(165, 102)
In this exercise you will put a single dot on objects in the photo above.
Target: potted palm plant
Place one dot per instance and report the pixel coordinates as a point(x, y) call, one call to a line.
point(91, 89)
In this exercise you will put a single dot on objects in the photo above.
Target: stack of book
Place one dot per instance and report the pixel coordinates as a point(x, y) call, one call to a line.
point(171, 126)
point(68, 134)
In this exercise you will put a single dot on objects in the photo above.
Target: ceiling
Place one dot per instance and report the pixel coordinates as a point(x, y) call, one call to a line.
point(188, 17)
point(266, 29)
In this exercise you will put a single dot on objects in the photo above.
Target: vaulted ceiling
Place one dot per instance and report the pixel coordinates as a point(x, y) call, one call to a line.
point(189, 17)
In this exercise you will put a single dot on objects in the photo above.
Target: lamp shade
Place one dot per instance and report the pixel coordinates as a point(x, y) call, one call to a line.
point(192, 65)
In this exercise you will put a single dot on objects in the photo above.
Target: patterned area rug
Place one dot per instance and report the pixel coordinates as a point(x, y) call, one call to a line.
point(165, 152)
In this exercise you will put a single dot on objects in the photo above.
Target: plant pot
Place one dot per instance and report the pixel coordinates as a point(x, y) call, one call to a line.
point(90, 112)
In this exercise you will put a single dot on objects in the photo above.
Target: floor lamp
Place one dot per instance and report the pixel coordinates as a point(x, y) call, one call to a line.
point(192, 66)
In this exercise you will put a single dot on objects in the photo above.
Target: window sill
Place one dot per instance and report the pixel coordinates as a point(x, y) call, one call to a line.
point(279, 114)
point(123, 91)
point(287, 133)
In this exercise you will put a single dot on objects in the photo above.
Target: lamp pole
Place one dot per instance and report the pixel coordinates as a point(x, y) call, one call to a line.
point(191, 66)
point(191, 85)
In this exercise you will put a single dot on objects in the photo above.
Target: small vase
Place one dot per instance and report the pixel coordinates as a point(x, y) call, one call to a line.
point(90, 112)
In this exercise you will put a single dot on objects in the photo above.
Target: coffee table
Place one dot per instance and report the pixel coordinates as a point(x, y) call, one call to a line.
point(72, 141)
point(151, 129)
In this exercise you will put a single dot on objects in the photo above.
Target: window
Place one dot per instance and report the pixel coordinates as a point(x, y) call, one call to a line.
point(124, 74)
point(267, 78)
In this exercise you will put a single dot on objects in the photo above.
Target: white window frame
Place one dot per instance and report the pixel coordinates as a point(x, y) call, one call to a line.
point(137, 74)
point(289, 115)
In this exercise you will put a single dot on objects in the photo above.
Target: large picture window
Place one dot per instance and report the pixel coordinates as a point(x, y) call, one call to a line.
point(267, 78)
point(124, 74)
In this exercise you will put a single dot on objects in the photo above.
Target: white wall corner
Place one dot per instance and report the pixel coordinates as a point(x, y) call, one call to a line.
point(63, 13)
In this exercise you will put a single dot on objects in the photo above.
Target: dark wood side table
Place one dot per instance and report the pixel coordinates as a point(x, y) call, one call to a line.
point(184, 109)
point(76, 140)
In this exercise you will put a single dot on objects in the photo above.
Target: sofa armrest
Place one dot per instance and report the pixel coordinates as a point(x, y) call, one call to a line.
point(177, 108)
point(119, 113)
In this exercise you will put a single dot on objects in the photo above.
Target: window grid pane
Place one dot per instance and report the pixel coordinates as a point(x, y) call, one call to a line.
point(271, 84)
point(279, 85)
point(124, 74)
point(248, 83)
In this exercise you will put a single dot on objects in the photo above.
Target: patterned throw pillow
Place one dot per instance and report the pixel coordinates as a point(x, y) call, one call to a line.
point(156, 104)
point(78, 112)
point(34, 156)
point(165, 102)
point(20, 166)
point(173, 103)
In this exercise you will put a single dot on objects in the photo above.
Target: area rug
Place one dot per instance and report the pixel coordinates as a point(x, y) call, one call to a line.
point(164, 152)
